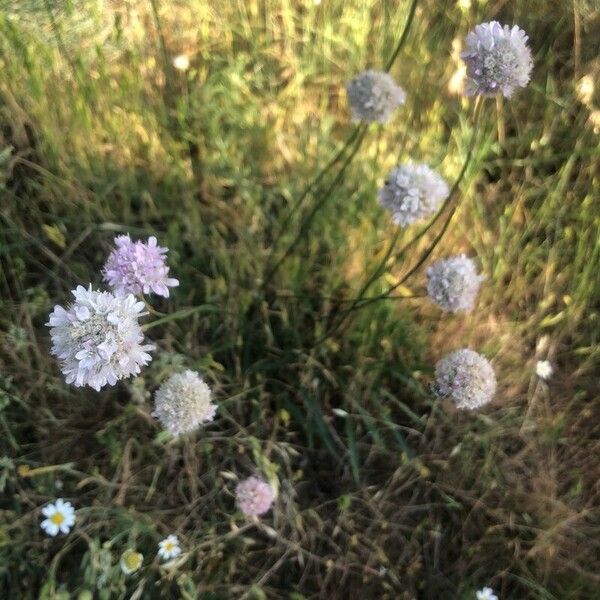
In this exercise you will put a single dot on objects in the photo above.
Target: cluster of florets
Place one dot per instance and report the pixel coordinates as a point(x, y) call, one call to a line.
point(98, 339)
point(412, 192)
point(497, 58)
point(254, 496)
point(138, 267)
point(183, 403)
point(453, 283)
point(374, 96)
point(465, 377)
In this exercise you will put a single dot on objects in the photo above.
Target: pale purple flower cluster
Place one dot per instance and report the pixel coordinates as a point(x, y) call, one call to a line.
point(183, 403)
point(497, 58)
point(453, 283)
point(374, 96)
point(254, 496)
point(138, 267)
point(98, 338)
point(465, 377)
point(412, 192)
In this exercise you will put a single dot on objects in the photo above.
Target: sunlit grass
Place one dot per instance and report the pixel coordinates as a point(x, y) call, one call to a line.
point(382, 490)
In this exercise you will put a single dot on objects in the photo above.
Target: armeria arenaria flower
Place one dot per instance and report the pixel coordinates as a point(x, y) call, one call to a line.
point(497, 58)
point(60, 516)
point(98, 338)
point(412, 192)
point(254, 496)
point(453, 283)
point(169, 547)
point(486, 594)
point(138, 267)
point(183, 403)
point(544, 369)
point(465, 377)
point(374, 96)
point(131, 561)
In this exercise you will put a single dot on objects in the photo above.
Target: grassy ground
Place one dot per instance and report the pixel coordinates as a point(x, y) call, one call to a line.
point(383, 491)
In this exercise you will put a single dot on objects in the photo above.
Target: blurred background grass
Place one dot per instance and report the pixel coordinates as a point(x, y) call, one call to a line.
point(383, 493)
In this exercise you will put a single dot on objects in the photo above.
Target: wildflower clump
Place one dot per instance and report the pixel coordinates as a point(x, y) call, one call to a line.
point(183, 403)
point(254, 496)
point(98, 338)
point(497, 59)
point(465, 377)
point(374, 96)
point(453, 283)
point(60, 517)
point(412, 192)
point(138, 267)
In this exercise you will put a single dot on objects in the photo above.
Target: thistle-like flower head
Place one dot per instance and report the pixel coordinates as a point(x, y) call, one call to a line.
point(98, 339)
point(465, 377)
point(374, 96)
point(138, 268)
point(453, 283)
point(497, 59)
point(412, 192)
point(254, 496)
point(183, 403)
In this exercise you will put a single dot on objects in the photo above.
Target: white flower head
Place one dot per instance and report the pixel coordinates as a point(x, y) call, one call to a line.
point(181, 62)
point(486, 594)
point(169, 547)
point(497, 58)
point(465, 377)
point(374, 96)
point(453, 283)
point(60, 517)
point(412, 192)
point(98, 339)
point(183, 403)
point(544, 369)
point(131, 561)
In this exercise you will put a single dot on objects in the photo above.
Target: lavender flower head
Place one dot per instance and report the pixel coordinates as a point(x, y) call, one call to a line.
point(183, 403)
point(98, 338)
point(374, 96)
point(466, 377)
point(412, 192)
point(453, 283)
point(497, 59)
point(254, 496)
point(138, 267)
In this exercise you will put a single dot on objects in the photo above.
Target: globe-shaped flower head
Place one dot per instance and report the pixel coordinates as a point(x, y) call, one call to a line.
point(453, 283)
point(412, 192)
point(254, 496)
point(98, 338)
point(466, 378)
point(183, 403)
point(374, 96)
point(138, 267)
point(497, 58)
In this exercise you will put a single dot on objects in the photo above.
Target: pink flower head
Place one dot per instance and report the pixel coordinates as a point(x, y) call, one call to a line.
point(138, 267)
point(254, 496)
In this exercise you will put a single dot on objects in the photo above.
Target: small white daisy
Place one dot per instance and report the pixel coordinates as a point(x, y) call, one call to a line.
point(181, 62)
point(486, 594)
point(169, 547)
point(543, 369)
point(60, 516)
point(131, 561)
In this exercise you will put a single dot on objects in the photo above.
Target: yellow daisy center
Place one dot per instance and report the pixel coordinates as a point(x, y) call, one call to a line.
point(132, 560)
point(169, 546)
point(57, 518)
